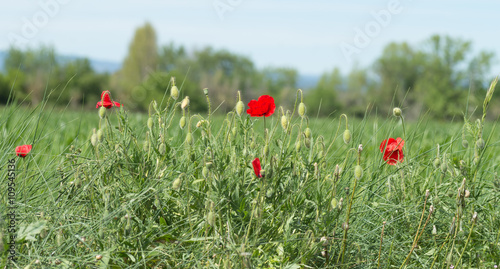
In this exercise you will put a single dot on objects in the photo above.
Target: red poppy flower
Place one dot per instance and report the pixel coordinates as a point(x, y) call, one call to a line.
point(264, 106)
point(106, 101)
point(256, 167)
point(393, 150)
point(23, 150)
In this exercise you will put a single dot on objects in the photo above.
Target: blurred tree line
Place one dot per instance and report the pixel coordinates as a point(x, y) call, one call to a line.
point(434, 77)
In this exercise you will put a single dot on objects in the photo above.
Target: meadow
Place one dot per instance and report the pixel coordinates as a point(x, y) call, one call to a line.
point(172, 189)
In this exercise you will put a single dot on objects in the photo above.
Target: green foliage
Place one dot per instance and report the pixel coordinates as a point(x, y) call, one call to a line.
point(322, 99)
point(150, 194)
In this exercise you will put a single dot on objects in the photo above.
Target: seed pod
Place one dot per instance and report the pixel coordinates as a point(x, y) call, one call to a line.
point(307, 132)
point(185, 102)
point(162, 149)
point(150, 123)
point(240, 107)
point(102, 112)
point(480, 143)
point(397, 112)
point(358, 172)
point(174, 92)
point(284, 122)
point(347, 136)
point(182, 122)
point(302, 109)
point(176, 185)
point(211, 218)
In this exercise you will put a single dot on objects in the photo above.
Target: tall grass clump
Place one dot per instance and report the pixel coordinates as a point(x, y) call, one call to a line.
point(176, 189)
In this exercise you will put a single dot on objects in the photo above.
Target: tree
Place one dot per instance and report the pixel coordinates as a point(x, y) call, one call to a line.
point(322, 99)
point(141, 60)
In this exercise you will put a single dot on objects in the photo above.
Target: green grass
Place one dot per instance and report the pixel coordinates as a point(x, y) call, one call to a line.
point(129, 202)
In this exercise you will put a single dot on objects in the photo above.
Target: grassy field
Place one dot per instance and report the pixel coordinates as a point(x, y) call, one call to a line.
point(145, 193)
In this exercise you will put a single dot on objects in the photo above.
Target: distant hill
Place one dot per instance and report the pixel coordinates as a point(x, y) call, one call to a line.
point(100, 66)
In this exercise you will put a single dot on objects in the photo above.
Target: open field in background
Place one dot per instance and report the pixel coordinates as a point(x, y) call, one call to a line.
point(150, 198)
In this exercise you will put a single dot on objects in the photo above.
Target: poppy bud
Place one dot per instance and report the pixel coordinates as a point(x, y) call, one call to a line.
point(240, 107)
point(150, 123)
point(340, 203)
point(302, 109)
point(444, 167)
point(474, 216)
point(185, 102)
point(162, 149)
point(204, 172)
point(334, 203)
point(297, 146)
point(253, 145)
point(102, 112)
point(307, 142)
point(465, 143)
point(360, 148)
point(176, 185)
point(480, 143)
point(284, 122)
point(211, 218)
point(174, 92)
point(93, 140)
point(467, 194)
point(205, 91)
point(100, 134)
point(182, 122)
point(98, 257)
point(189, 138)
point(437, 162)
point(397, 112)
point(347, 136)
point(358, 172)
point(307, 132)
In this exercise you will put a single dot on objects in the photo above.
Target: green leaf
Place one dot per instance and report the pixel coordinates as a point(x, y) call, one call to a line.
point(29, 232)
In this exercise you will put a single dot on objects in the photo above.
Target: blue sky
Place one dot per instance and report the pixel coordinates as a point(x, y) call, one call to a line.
point(307, 35)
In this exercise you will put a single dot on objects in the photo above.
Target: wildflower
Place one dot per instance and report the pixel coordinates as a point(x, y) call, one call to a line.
point(23, 150)
point(256, 167)
point(393, 150)
point(263, 107)
point(106, 101)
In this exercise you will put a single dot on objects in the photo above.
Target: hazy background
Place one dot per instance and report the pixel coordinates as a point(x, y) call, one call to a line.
point(309, 37)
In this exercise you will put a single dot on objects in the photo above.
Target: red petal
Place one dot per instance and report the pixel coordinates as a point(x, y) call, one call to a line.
point(256, 167)
point(23, 150)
